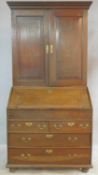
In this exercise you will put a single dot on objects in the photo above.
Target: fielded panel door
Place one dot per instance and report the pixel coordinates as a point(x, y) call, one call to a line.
point(30, 36)
point(67, 34)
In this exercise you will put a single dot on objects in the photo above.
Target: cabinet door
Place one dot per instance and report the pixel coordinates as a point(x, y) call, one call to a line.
point(30, 35)
point(67, 47)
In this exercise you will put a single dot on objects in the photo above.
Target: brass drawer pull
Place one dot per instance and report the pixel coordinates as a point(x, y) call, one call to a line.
point(71, 124)
point(22, 155)
point(82, 125)
point(25, 155)
point(59, 126)
point(15, 125)
point(18, 125)
point(72, 138)
point(49, 136)
point(26, 139)
point(29, 124)
point(49, 151)
point(42, 126)
point(12, 125)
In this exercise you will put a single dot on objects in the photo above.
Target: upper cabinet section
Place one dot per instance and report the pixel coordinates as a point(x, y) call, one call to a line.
point(49, 43)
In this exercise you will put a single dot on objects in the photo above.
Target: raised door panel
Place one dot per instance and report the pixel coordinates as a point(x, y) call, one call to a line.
point(66, 48)
point(30, 67)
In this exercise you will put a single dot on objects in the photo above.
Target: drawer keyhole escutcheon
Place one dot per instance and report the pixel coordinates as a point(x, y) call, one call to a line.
point(49, 136)
point(29, 124)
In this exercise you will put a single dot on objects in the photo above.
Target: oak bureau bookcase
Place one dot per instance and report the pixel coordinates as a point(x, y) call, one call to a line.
point(49, 112)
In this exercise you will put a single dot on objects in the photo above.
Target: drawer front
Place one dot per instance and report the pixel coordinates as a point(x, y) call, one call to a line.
point(28, 126)
point(53, 127)
point(47, 115)
point(70, 126)
point(48, 155)
point(57, 140)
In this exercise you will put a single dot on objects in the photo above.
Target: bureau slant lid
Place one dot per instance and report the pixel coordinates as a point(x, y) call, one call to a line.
point(49, 98)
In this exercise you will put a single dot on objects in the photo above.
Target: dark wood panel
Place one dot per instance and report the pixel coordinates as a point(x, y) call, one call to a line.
point(29, 47)
point(66, 37)
point(49, 156)
point(52, 140)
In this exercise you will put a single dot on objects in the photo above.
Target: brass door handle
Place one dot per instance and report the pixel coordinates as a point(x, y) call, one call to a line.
point(51, 48)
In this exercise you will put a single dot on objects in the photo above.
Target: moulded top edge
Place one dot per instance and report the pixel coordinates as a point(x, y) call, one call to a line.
point(49, 4)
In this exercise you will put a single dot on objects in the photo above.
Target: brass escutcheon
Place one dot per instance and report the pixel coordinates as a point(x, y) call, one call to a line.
point(71, 124)
point(49, 136)
point(29, 124)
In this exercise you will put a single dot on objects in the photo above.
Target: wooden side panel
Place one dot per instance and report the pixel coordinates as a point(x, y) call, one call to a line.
point(29, 48)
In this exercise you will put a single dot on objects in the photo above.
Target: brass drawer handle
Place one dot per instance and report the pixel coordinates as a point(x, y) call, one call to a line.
point(22, 155)
point(72, 138)
point(49, 136)
point(42, 126)
point(25, 155)
point(12, 125)
point(49, 151)
point(71, 124)
point(15, 125)
point(29, 124)
point(58, 126)
point(26, 139)
point(84, 125)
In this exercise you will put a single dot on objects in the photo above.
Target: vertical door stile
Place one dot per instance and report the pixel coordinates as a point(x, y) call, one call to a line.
point(46, 45)
point(52, 51)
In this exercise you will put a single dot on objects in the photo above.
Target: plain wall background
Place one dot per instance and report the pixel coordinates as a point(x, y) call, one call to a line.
point(6, 65)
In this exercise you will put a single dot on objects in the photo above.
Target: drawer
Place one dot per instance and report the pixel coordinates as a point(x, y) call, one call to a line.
point(73, 126)
point(49, 155)
point(54, 127)
point(27, 126)
point(51, 140)
point(49, 114)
